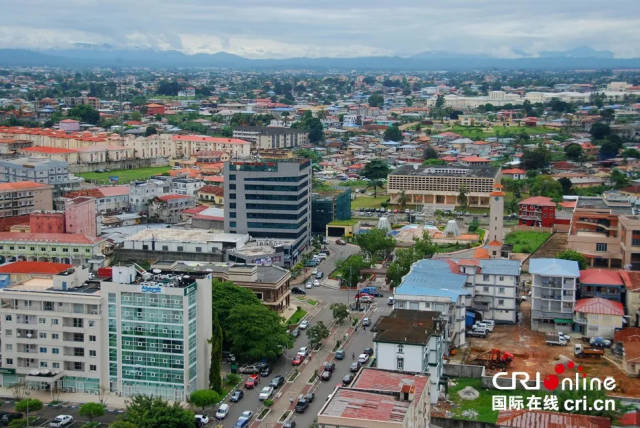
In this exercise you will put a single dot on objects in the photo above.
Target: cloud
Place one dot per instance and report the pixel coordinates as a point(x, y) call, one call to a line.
point(287, 28)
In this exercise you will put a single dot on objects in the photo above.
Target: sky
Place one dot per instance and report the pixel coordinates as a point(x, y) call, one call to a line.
point(326, 28)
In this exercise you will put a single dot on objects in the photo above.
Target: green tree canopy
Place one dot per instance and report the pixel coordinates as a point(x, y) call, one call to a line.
point(630, 153)
point(32, 403)
point(573, 151)
point(566, 185)
point(545, 185)
point(84, 113)
point(376, 100)
point(375, 243)
point(204, 398)
point(536, 159)
point(404, 258)
point(317, 333)
point(168, 87)
point(350, 269)
point(600, 130)
point(309, 154)
point(149, 412)
point(376, 169)
point(393, 133)
point(340, 312)
point(256, 332)
point(575, 256)
point(91, 410)
point(216, 341)
point(619, 179)
point(430, 153)
point(311, 124)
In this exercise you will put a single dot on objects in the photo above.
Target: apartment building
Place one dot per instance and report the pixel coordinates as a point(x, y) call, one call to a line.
point(270, 199)
point(22, 197)
point(271, 137)
point(168, 208)
point(136, 334)
point(39, 170)
point(412, 341)
point(432, 285)
point(630, 241)
point(109, 199)
point(71, 248)
point(142, 192)
point(156, 331)
point(185, 146)
point(439, 186)
point(538, 211)
point(553, 293)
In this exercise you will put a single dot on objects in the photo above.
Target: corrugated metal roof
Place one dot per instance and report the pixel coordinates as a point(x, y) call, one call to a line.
point(500, 267)
point(554, 267)
point(598, 305)
point(541, 419)
point(430, 277)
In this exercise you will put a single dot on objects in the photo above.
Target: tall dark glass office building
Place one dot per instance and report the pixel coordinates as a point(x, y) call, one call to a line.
point(271, 201)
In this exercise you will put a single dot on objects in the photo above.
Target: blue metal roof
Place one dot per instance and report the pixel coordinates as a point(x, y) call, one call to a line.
point(554, 267)
point(500, 267)
point(430, 277)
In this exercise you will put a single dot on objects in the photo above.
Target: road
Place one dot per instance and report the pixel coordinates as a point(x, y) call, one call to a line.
point(47, 414)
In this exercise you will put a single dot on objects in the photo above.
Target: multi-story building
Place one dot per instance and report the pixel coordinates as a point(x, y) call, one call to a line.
point(632, 299)
point(142, 192)
point(379, 398)
point(630, 241)
point(109, 199)
point(155, 330)
point(186, 146)
point(603, 283)
point(553, 293)
point(431, 285)
point(71, 248)
point(80, 216)
point(46, 222)
point(168, 208)
point(186, 186)
point(598, 317)
point(270, 199)
point(439, 186)
point(329, 206)
point(412, 341)
point(537, 211)
point(39, 170)
point(22, 197)
point(271, 137)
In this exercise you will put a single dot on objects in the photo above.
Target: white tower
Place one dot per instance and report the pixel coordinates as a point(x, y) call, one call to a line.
point(496, 216)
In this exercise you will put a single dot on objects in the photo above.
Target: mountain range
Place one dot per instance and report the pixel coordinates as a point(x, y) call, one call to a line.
point(106, 56)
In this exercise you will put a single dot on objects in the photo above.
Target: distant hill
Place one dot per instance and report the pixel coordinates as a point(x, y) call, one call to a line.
point(106, 56)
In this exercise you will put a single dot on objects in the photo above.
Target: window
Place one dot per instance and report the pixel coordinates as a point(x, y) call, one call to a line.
point(601, 246)
point(92, 353)
point(54, 335)
point(165, 248)
point(7, 317)
point(92, 338)
point(55, 365)
point(42, 335)
point(9, 361)
point(501, 290)
point(500, 302)
point(92, 323)
point(7, 332)
point(485, 288)
point(42, 320)
point(43, 350)
point(400, 363)
point(55, 350)
point(8, 347)
point(400, 348)
point(54, 321)
point(180, 248)
point(43, 364)
point(485, 277)
point(502, 278)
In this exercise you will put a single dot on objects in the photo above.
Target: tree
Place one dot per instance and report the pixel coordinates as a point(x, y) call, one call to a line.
point(350, 270)
point(402, 200)
point(536, 159)
point(317, 333)
point(168, 87)
point(309, 154)
point(312, 125)
point(404, 258)
point(462, 197)
point(573, 151)
point(608, 115)
point(340, 312)
point(85, 113)
point(545, 185)
point(374, 242)
point(151, 130)
point(566, 185)
point(375, 100)
point(609, 149)
point(375, 184)
point(256, 332)
point(376, 169)
point(393, 133)
point(619, 179)
point(600, 130)
point(215, 379)
point(440, 101)
point(204, 398)
point(430, 153)
point(151, 412)
point(91, 410)
point(575, 256)
point(630, 153)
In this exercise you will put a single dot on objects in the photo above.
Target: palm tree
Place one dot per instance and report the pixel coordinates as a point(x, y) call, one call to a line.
point(462, 197)
point(375, 184)
point(402, 200)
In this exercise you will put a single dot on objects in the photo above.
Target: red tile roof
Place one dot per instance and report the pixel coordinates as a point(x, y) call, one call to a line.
point(481, 253)
point(631, 279)
point(387, 380)
point(598, 305)
point(169, 197)
point(542, 201)
point(213, 190)
point(629, 334)
point(35, 267)
point(62, 238)
point(52, 150)
point(600, 276)
point(22, 185)
point(514, 171)
point(475, 159)
point(631, 419)
point(221, 140)
point(541, 419)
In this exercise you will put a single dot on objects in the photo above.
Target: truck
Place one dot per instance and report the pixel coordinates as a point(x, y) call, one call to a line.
point(556, 340)
point(476, 333)
point(580, 351)
point(372, 291)
point(493, 359)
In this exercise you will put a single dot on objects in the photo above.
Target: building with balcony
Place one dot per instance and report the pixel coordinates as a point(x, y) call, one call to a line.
point(73, 248)
point(412, 341)
point(169, 208)
point(39, 170)
point(538, 211)
point(439, 186)
point(271, 137)
point(630, 241)
point(432, 285)
point(22, 197)
point(598, 317)
point(270, 199)
point(604, 283)
point(553, 293)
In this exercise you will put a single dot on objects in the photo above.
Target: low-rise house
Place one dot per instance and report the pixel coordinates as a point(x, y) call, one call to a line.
point(378, 399)
point(70, 248)
point(553, 293)
point(598, 317)
point(631, 281)
point(109, 199)
point(15, 272)
point(630, 340)
point(603, 283)
point(168, 208)
point(412, 341)
point(211, 194)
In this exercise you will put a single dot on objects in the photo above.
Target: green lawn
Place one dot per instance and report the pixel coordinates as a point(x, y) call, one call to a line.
point(478, 133)
point(124, 175)
point(367, 202)
point(525, 241)
point(297, 316)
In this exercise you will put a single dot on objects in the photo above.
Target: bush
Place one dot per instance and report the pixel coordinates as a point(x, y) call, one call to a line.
point(232, 379)
point(268, 402)
point(33, 404)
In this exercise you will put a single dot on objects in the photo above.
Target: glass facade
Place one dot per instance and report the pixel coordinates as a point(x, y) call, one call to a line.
point(325, 209)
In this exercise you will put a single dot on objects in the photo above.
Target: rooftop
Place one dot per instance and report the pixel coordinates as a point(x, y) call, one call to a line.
point(55, 238)
point(542, 201)
point(407, 327)
point(429, 277)
point(451, 170)
point(598, 305)
point(600, 277)
point(187, 235)
point(542, 419)
point(554, 267)
point(22, 185)
point(35, 267)
point(265, 274)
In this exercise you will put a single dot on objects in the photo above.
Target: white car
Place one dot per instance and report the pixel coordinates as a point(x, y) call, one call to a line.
point(316, 283)
point(265, 394)
point(363, 358)
point(314, 272)
point(309, 285)
point(61, 421)
point(304, 351)
point(223, 411)
point(304, 324)
point(204, 419)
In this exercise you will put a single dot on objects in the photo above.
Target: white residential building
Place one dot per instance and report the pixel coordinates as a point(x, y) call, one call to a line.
point(553, 293)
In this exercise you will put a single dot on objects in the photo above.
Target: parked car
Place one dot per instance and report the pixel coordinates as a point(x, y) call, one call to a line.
point(244, 419)
point(265, 394)
point(365, 298)
point(236, 396)
point(222, 412)
point(298, 290)
point(347, 379)
point(277, 382)
point(326, 375)
point(202, 420)
point(297, 360)
point(316, 283)
point(340, 242)
point(252, 381)
point(319, 275)
point(314, 272)
point(265, 371)
point(308, 285)
point(304, 324)
point(390, 301)
point(295, 332)
point(301, 405)
point(355, 366)
point(289, 424)
point(61, 421)
point(228, 356)
point(328, 366)
point(363, 358)
point(368, 351)
point(340, 354)
point(366, 322)
point(7, 417)
point(249, 369)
